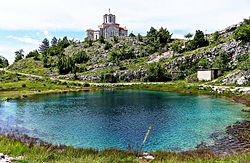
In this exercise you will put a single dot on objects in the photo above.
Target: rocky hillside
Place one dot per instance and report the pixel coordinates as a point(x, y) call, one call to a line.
point(139, 59)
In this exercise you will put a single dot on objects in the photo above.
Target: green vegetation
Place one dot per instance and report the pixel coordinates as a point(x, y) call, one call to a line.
point(221, 61)
point(244, 61)
point(121, 53)
point(216, 38)
point(243, 31)
point(19, 55)
point(3, 62)
point(163, 36)
point(188, 36)
point(204, 63)
point(156, 73)
point(198, 41)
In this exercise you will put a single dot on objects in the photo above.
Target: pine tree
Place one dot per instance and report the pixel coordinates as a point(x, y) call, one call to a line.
point(19, 55)
point(44, 46)
point(54, 41)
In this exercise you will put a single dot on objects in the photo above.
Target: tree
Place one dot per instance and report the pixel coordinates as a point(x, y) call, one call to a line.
point(164, 35)
point(139, 37)
point(152, 32)
point(34, 54)
point(156, 73)
point(176, 46)
point(53, 41)
point(131, 35)
point(102, 39)
point(19, 55)
point(64, 43)
point(222, 61)
point(188, 36)
point(107, 46)
point(3, 62)
point(44, 46)
point(216, 37)
point(81, 57)
point(198, 41)
point(116, 39)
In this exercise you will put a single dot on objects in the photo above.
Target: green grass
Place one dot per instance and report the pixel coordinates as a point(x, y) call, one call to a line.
point(48, 153)
point(31, 66)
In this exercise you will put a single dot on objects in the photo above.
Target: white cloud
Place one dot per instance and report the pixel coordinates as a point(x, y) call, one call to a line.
point(179, 16)
point(47, 35)
point(8, 52)
point(137, 15)
point(25, 39)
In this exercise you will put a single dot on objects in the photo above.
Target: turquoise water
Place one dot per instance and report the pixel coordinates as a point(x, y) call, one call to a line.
point(114, 119)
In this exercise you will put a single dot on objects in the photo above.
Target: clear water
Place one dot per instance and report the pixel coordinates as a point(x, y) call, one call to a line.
point(114, 119)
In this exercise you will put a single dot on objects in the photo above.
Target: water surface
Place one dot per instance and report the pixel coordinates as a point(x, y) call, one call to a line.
point(114, 119)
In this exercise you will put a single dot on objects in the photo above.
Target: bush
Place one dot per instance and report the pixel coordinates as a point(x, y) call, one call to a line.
point(33, 54)
point(245, 65)
point(116, 39)
point(156, 73)
point(222, 61)
point(86, 85)
point(204, 63)
point(192, 78)
point(198, 41)
point(107, 46)
point(81, 57)
point(242, 33)
point(3, 62)
point(102, 39)
point(139, 37)
point(23, 85)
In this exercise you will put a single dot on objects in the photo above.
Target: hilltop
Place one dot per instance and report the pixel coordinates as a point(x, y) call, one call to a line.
point(155, 57)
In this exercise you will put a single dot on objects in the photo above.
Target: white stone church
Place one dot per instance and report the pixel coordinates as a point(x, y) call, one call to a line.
point(109, 28)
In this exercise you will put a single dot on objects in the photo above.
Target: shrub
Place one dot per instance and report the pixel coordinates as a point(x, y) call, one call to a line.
point(33, 54)
point(86, 85)
point(107, 46)
point(222, 61)
point(116, 39)
point(81, 57)
point(139, 37)
point(3, 62)
point(242, 33)
point(245, 65)
point(204, 63)
point(102, 39)
point(216, 37)
point(192, 78)
point(23, 85)
point(156, 73)
point(198, 41)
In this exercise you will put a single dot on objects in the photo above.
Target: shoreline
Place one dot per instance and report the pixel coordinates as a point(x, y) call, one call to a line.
point(170, 87)
point(233, 94)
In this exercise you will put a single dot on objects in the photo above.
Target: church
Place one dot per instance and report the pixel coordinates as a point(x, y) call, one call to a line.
point(109, 28)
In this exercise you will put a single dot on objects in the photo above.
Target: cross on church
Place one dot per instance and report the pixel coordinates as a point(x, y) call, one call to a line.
point(109, 10)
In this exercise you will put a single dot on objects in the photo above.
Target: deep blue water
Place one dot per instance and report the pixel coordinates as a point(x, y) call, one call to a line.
point(114, 119)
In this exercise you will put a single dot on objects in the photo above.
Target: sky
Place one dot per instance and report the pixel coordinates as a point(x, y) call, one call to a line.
point(25, 23)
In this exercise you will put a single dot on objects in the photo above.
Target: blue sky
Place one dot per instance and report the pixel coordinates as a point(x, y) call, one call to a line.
point(25, 23)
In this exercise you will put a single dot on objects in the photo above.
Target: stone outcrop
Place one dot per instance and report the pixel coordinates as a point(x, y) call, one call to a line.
point(8, 159)
point(240, 77)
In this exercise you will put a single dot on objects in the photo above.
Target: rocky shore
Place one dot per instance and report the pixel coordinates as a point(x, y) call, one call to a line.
point(7, 159)
point(237, 140)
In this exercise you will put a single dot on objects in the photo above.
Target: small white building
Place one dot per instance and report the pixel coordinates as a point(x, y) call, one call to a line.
point(207, 75)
